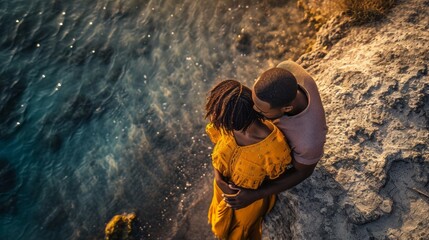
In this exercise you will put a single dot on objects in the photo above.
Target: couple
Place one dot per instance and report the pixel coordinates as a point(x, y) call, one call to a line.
point(251, 154)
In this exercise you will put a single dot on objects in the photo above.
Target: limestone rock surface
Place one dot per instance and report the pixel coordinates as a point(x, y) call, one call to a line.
point(372, 182)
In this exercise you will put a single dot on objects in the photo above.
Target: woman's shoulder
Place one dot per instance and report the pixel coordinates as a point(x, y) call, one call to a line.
point(267, 128)
point(276, 136)
point(213, 133)
point(272, 128)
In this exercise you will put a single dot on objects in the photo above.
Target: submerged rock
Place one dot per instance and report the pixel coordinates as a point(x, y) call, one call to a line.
point(8, 203)
point(244, 43)
point(119, 227)
point(12, 89)
point(55, 218)
point(88, 52)
point(55, 142)
point(7, 176)
point(81, 110)
point(76, 112)
point(8, 182)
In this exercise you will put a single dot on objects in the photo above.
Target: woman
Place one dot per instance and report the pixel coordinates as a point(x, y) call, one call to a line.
point(248, 150)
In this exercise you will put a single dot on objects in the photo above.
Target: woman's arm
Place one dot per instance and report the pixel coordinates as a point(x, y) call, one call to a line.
point(222, 184)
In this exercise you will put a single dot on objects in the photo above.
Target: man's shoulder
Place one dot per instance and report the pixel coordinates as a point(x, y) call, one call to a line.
point(291, 66)
point(288, 64)
point(301, 75)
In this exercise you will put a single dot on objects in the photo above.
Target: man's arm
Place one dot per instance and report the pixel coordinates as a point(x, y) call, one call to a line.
point(288, 179)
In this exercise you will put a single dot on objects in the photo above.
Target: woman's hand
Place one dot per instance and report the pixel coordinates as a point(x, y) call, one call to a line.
point(242, 198)
point(222, 184)
point(234, 196)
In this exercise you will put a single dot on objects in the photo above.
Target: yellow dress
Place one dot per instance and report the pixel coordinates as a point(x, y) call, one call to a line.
point(247, 167)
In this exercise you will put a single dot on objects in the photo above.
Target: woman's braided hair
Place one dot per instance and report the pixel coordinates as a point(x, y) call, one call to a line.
point(229, 106)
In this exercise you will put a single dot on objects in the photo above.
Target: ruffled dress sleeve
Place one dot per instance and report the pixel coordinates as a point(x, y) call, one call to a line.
point(266, 159)
point(222, 150)
point(279, 156)
point(213, 133)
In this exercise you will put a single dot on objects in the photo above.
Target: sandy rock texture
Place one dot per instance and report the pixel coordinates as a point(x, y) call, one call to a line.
point(373, 180)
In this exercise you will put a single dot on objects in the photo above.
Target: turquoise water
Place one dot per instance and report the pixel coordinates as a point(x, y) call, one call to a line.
point(102, 108)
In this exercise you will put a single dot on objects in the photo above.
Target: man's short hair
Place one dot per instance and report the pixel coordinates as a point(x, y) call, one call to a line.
point(276, 86)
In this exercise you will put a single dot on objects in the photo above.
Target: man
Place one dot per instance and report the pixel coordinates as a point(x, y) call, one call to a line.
point(289, 97)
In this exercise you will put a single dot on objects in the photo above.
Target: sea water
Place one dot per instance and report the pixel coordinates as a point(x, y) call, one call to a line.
point(102, 107)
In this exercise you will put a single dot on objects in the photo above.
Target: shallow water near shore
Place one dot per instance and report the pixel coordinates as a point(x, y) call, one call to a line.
point(102, 106)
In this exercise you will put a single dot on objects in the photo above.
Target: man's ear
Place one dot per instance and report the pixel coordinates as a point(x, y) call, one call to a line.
point(287, 109)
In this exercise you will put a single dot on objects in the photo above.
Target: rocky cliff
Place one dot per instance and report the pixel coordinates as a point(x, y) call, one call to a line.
point(373, 180)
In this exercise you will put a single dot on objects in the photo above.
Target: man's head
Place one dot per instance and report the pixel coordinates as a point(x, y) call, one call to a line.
point(229, 106)
point(274, 92)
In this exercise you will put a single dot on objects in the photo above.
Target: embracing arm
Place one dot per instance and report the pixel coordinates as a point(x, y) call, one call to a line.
point(288, 179)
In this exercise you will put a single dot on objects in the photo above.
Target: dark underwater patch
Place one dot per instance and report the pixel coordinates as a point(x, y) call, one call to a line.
point(7, 176)
point(11, 90)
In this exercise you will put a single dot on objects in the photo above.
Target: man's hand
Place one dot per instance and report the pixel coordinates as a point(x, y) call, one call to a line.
point(243, 198)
